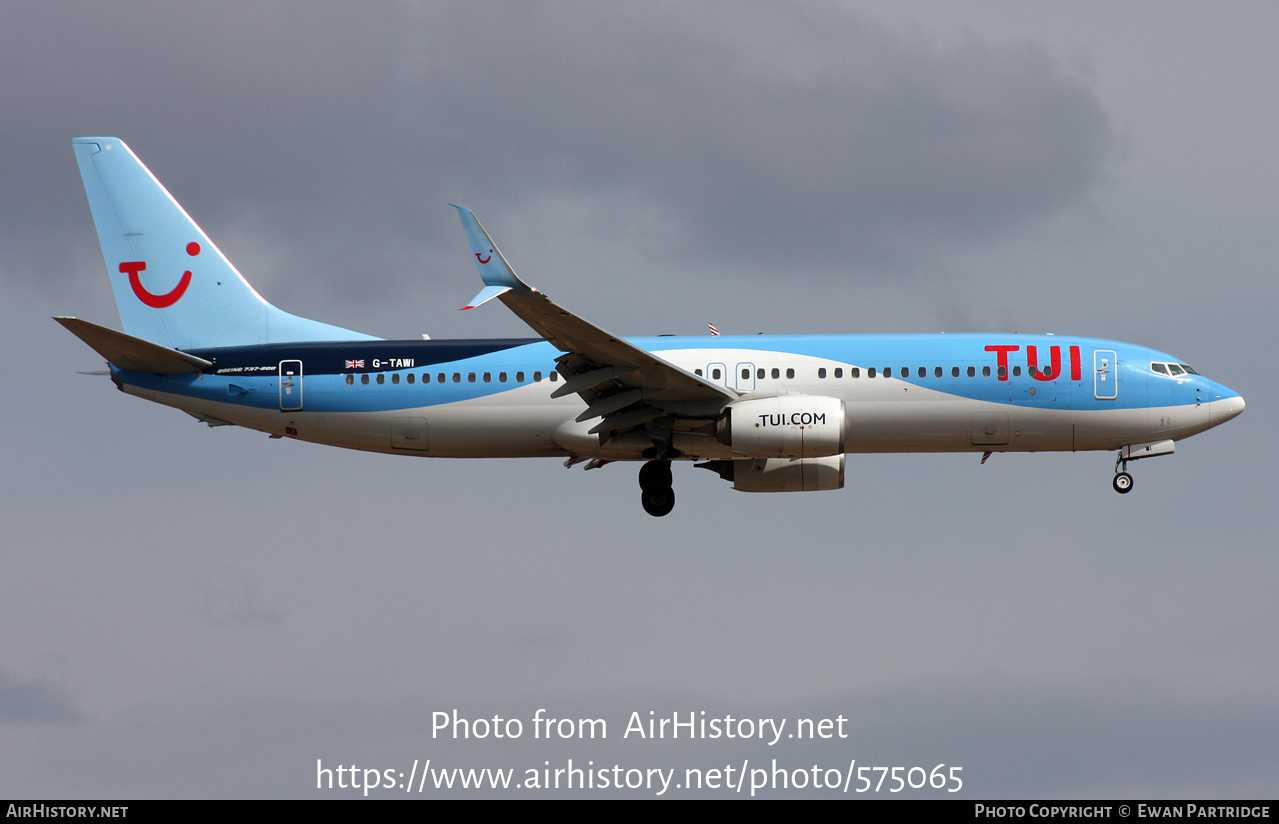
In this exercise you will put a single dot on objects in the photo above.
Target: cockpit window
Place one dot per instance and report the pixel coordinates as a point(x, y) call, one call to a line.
point(1172, 369)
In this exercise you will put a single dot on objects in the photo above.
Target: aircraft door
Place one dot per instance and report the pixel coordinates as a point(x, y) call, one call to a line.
point(1105, 374)
point(745, 377)
point(290, 385)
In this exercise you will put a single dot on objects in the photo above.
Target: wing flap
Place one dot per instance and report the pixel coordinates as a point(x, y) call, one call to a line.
point(589, 380)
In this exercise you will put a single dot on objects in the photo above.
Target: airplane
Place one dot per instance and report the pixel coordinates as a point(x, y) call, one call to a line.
point(766, 413)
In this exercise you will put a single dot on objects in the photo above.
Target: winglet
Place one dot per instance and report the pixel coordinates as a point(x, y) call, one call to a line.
point(486, 294)
point(497, 274)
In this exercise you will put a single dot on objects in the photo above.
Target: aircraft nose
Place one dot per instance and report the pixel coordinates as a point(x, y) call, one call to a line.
point(1227, 408)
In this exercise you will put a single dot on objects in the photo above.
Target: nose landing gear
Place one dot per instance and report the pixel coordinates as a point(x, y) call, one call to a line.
point(1123, 481)
point(1135, 452)
point(658, 496)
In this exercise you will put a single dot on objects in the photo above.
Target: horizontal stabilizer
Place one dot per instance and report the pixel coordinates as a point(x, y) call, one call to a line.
point(133, 354)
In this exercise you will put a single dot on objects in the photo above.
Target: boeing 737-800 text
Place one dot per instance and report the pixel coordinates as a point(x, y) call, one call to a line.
point(767, 413)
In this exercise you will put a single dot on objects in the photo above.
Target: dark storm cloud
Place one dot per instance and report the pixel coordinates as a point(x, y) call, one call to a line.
point(785, 129)
point(765, 133)
point(33, 701)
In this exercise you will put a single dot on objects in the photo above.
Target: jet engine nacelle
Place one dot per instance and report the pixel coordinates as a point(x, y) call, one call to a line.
point(782, 474)
point(785, 426)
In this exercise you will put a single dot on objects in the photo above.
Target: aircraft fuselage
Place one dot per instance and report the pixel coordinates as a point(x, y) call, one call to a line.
point(901, 393)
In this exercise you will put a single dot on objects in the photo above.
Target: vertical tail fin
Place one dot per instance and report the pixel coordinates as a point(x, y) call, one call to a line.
point(172, 285)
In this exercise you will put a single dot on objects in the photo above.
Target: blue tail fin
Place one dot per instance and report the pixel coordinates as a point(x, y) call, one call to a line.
point(172, 285)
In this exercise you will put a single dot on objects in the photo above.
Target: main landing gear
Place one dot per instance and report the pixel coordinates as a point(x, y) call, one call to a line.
point(1123, 481)
point(655, 480)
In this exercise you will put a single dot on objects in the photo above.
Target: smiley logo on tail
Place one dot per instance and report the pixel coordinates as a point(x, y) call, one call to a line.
point(133, 267)
point(484, 259)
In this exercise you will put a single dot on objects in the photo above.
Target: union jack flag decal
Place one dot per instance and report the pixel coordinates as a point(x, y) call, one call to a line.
point(355, 364)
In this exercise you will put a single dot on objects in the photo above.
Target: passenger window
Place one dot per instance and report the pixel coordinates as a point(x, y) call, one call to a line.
point(364, 379)
point(395, 377)
point(923, 372)
point(537, 377)
point(1033, 370)
point(839, 372)
point(777, 373)
point(985, 371)
point(954, 371)
point(488, 377)
point(870, 371)
point(501, 377)
point(715, 374)
point(821, 372)
point(457, 377)
point(936, 371)
point(409, 377)
point(697, 372)
point(1003, 372)
point(519, 377)
point(350, 380)
point(439, 378)
point(746, 374)
point(1016, 371)
point(381, 378)
point(854, 372)
point(790, 373)
point(759, 374)
point(554, 376)
point(972, 372)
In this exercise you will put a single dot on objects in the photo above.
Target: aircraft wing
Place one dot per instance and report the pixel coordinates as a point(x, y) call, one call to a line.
point(620, 382)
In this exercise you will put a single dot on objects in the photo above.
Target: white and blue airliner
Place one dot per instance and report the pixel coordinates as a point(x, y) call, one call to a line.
point(767, 413)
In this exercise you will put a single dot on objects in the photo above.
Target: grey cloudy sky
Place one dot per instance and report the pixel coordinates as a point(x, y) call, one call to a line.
point(195, 612)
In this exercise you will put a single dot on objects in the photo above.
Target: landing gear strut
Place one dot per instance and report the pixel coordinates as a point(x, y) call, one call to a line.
point(658, 497)
point(1137, 452)
point(1123, 481)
